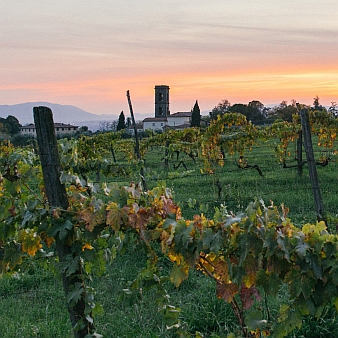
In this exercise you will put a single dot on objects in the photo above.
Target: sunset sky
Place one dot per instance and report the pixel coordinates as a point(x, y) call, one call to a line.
point(89, 53)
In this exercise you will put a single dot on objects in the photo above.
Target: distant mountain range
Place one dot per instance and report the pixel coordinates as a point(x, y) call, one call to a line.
point(64, 114)
point(61, 113)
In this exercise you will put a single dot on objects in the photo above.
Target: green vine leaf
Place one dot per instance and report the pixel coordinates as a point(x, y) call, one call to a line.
point(75, 295)
point(71, 265)
point(60, 228)
point(178, 274)
point(254, 320)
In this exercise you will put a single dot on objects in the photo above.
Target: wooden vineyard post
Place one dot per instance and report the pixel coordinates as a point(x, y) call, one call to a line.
point(300, 153)
point(306, 128)
point(57, 198)
point(166, 154)
point(137, 143)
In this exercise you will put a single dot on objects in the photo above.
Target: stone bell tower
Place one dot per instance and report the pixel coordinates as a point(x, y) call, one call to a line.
point(162, 101)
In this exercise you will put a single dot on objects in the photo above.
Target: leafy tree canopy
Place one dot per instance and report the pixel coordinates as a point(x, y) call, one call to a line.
point(254, 110)
point(317, 105)
point(220, 109)
point(284, 111)
point(10, 125)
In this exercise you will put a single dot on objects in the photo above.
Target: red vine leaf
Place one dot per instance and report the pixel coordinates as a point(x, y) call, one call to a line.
point(248, 296)
point(12, 210)
point(226, 291)
point(140, 219)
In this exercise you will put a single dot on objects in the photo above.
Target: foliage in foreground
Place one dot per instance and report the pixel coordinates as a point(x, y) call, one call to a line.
point(249, 255)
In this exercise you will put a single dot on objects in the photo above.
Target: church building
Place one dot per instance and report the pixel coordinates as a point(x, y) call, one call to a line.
point(163, 119)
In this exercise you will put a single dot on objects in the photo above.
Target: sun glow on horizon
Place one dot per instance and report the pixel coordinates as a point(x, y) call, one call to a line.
point(90, 55)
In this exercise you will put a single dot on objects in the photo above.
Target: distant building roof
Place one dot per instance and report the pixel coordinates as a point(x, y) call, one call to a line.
point(31, 125)
point(181, 114)
point(64, 125)
point(56, 125)
point(155, 119)
point(138, 126)
point(182, 126)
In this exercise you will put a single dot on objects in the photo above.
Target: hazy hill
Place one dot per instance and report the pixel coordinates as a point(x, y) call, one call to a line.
point(64, 114)
point(61, 113)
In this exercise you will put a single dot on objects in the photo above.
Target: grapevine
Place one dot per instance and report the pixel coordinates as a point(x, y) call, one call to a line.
point(248, 255)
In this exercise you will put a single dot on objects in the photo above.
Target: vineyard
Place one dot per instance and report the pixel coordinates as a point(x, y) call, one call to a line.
point(228, 231)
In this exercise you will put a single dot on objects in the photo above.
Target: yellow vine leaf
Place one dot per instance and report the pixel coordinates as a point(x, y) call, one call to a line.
point(178, 258)
point(211, 256)
point(49, 241)
point(222, 271)
point(30, 242)
point(87, 246)
point(249, 279)
point(310, 228)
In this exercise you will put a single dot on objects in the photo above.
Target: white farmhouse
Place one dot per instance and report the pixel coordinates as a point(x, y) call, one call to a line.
point(179, 120)
point(60, 129)
point(154, 123)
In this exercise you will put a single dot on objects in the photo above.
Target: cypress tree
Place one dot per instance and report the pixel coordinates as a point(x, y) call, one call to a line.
point(196, 116)
point(122, 122)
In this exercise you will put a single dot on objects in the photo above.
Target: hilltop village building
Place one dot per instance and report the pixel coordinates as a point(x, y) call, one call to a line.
point(163, 119)
point(60, 129)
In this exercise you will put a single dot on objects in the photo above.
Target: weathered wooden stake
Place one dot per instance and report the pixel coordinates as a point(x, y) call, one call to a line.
point(300, 153)
point(166, 154)
point(137, 144)
point(312, 165)
point(57, 197)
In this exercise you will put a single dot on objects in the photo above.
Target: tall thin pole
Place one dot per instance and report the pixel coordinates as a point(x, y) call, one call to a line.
point(300, 153)
point(137, 143)
point(312, 165)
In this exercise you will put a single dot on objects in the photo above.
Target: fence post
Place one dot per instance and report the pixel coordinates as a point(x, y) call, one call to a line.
point(57, 197)
point(306, 128)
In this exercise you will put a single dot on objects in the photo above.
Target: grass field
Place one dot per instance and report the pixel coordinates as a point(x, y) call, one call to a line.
point(33, 303)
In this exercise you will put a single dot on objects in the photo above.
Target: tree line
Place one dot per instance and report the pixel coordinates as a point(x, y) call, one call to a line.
point(257, 113)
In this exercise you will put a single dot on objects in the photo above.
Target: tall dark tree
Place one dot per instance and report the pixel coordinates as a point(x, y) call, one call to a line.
point(240, 108)
point(253, 111)
point(284, 111)
point(10, 125)
point(220, 109)
point(196, 116)
point(316, 104)
point(121, 124)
